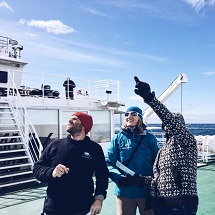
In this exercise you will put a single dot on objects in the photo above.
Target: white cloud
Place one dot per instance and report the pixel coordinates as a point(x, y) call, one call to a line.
point(208, 73)
point(51, 26)
point(30, 34)
point(199, 118)
point(22, 21)
point(96, 12)
point(199, 4)
point(135, 98)
point(4, 4)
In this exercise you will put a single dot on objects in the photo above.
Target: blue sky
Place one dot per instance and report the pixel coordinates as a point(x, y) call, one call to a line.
point(118, 39)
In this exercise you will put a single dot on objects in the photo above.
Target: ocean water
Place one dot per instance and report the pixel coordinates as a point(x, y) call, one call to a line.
point(196, 129)
point(202, 129)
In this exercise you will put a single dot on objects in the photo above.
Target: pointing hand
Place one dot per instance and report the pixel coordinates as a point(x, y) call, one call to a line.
point(143, 89)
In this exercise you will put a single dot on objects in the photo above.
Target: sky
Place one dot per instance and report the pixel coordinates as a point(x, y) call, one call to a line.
point(119, 39)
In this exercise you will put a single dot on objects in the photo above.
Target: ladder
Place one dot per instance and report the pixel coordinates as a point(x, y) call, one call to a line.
point(16, 161)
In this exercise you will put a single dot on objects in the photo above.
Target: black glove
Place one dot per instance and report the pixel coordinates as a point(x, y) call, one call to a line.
point(143, 90)
point(136, 180)
point(123, 181)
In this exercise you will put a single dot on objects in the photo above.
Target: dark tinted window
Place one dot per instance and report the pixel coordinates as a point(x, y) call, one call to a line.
point(3, 77)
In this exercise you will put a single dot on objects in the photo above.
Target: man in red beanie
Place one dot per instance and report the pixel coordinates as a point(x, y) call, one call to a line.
point(86, 121)
point(68, 166)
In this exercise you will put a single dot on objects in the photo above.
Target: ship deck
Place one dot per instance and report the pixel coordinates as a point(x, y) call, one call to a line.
point(25, 201)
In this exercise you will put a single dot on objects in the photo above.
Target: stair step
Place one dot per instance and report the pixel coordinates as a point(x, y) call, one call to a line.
point(9, 137)
point(11, 144)
point(18, 182)
point(6, 112)
point(4, 102)
point(7, 175)
point(10, 151)
point(14, 166)
point(6, 125)
point(8, 131)
point(13, 158)
point(4, 118)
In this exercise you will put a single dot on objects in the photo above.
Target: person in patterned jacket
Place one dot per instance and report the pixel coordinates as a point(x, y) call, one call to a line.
point(174, 186)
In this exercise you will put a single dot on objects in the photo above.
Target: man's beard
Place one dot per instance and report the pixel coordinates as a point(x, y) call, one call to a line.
point(75, 129)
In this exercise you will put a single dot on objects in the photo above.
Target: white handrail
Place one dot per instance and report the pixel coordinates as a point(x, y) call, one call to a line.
point(95, 89)
point(26, 128)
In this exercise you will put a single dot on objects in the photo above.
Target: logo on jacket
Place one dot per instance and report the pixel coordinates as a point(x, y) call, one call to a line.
point(86, 155)
point(126, 146)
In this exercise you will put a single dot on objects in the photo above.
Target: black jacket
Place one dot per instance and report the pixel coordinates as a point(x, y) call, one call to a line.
point(73, 192)
point(69, 85)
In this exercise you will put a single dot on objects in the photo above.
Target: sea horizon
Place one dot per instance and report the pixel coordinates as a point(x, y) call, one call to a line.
point(195, 128)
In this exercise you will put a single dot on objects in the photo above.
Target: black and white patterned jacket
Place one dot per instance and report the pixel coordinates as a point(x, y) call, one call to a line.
point(175, 168)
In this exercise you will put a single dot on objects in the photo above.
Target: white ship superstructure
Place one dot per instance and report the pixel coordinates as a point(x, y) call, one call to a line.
point(34, 109)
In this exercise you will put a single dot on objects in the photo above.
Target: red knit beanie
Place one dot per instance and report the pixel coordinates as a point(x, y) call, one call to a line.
point(86, 120)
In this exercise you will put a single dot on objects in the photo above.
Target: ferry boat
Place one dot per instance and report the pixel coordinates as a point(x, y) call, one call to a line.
point(34, 109)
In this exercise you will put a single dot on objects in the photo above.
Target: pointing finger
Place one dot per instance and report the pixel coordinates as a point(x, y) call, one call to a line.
point(136, 79)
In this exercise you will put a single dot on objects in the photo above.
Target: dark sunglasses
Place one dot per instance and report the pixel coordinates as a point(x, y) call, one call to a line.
point(133, 113)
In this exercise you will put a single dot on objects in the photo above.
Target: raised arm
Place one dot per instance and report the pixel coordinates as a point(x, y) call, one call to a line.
point(173, 121)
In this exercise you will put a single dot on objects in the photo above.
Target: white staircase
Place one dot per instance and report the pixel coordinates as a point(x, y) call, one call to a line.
point(17, 155)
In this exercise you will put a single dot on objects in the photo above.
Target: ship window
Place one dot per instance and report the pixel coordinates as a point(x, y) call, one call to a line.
point(3, 77)
point(44, 121)
point(101, 130)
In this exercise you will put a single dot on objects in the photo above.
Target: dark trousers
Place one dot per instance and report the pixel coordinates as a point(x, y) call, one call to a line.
point(69, 95)
point(177, 210)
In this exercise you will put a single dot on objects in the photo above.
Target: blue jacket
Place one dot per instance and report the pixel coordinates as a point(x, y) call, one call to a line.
point(121, 148)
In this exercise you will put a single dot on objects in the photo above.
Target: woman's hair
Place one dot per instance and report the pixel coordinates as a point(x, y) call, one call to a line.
point(141, 126)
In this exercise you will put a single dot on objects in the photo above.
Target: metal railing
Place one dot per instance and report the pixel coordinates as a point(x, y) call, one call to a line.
point(206, 147)
point(96, 90)
point(25, 126)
